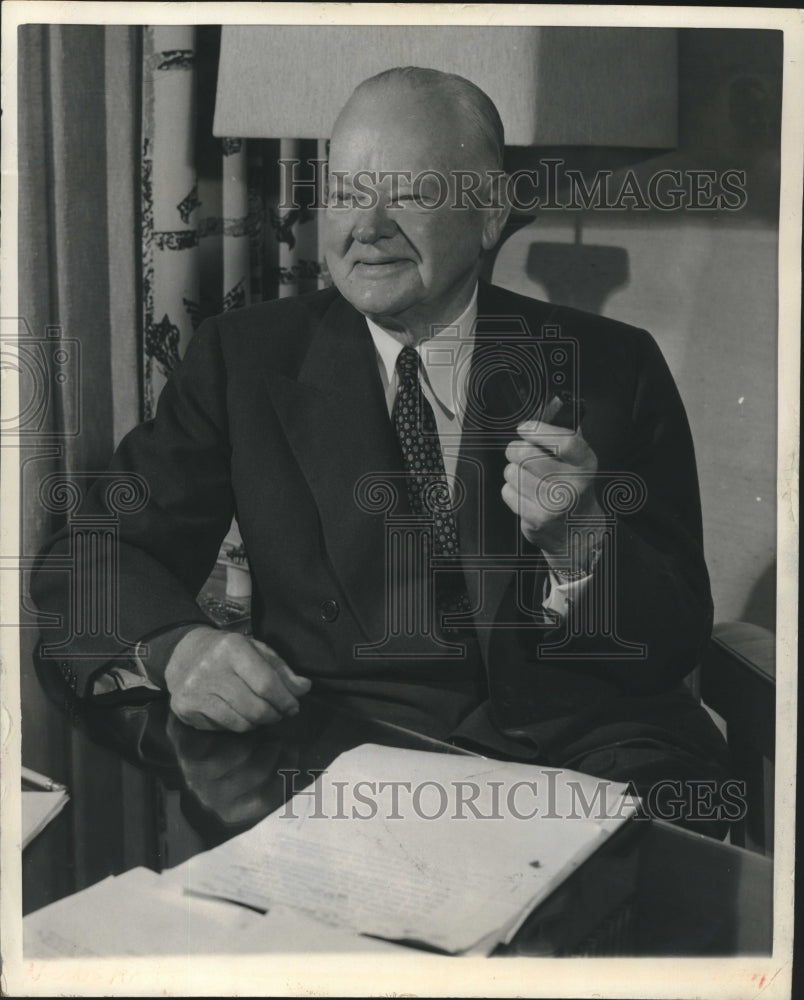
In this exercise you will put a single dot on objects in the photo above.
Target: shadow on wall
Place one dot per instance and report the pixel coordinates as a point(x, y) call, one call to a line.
point(760, 607)
point(584, 274)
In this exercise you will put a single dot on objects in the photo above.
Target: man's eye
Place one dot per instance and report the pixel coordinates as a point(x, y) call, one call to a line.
point(425, 199)
point(414, 200)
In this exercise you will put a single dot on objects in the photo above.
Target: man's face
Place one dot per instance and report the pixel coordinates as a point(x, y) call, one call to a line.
point(391, 254)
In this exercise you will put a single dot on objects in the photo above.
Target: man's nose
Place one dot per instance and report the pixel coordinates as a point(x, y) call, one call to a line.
point(372, 222)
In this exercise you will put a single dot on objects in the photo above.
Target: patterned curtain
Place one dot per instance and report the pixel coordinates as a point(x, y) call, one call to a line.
point(214, 236)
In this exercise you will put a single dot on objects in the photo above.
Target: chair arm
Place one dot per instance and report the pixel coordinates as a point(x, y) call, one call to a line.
point(738, 681)
point(751, 644)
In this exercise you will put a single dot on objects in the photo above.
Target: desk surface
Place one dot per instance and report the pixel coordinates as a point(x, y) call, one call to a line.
point(147, 790)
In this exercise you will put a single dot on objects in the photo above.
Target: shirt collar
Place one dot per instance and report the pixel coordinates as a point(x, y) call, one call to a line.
point(439, 354)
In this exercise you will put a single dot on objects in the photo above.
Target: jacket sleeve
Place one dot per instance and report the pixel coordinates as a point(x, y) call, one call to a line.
point(651, 586)
point(145, 581)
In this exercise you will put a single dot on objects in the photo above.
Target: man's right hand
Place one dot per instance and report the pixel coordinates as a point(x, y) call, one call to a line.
point(224, 680)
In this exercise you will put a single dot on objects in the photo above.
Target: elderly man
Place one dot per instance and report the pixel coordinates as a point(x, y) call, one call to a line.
point(396, 450)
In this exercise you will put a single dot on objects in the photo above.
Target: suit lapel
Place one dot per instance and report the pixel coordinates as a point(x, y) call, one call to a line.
point(336, 422)
point(501, 393)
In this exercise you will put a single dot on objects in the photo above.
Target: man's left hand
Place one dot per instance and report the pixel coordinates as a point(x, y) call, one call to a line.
point(530, 460)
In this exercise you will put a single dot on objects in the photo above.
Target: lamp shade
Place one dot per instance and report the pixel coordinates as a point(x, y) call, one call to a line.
point(552, 85)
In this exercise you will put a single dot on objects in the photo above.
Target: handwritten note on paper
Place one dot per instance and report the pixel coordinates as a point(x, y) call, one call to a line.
point(420, 847)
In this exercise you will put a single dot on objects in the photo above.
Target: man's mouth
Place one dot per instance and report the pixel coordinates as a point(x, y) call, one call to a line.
point(378, 261)
point(379, 266)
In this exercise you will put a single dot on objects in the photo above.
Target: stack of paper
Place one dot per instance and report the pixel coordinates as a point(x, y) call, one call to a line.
point(142, 913)
point(444, 851)
point(440, 850)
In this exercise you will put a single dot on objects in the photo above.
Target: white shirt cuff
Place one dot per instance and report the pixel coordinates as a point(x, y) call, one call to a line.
point(123, 678)
point(559, 594)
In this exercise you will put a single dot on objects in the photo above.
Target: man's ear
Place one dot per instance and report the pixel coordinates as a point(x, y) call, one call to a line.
point(496, 215)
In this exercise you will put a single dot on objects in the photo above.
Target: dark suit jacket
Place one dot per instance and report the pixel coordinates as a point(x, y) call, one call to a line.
point(277, 412)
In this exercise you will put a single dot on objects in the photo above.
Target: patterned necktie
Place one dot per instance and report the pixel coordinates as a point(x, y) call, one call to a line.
point(428, 493)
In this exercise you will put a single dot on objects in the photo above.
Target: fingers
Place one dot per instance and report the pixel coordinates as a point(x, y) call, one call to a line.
point(211, 711)
point(241, 702)
point(195, 718)
point(295, 682)
point(533, 459)
point(522, 451)
point(511, 497)
point(266, 675)
point(525, 476)
point(530, 512)
point(223, 680)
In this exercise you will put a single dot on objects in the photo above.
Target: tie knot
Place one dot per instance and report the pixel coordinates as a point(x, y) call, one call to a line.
point(408, 364)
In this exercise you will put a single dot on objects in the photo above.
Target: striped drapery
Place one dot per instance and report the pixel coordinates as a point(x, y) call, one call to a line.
point(78, 134)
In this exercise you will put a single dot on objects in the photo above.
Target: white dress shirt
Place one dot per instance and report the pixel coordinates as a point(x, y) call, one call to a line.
point(446, 357)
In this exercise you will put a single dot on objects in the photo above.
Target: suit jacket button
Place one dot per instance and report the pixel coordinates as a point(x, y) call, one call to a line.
point(329, 611)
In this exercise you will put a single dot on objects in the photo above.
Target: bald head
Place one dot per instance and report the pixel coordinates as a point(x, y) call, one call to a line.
point(432, 96)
